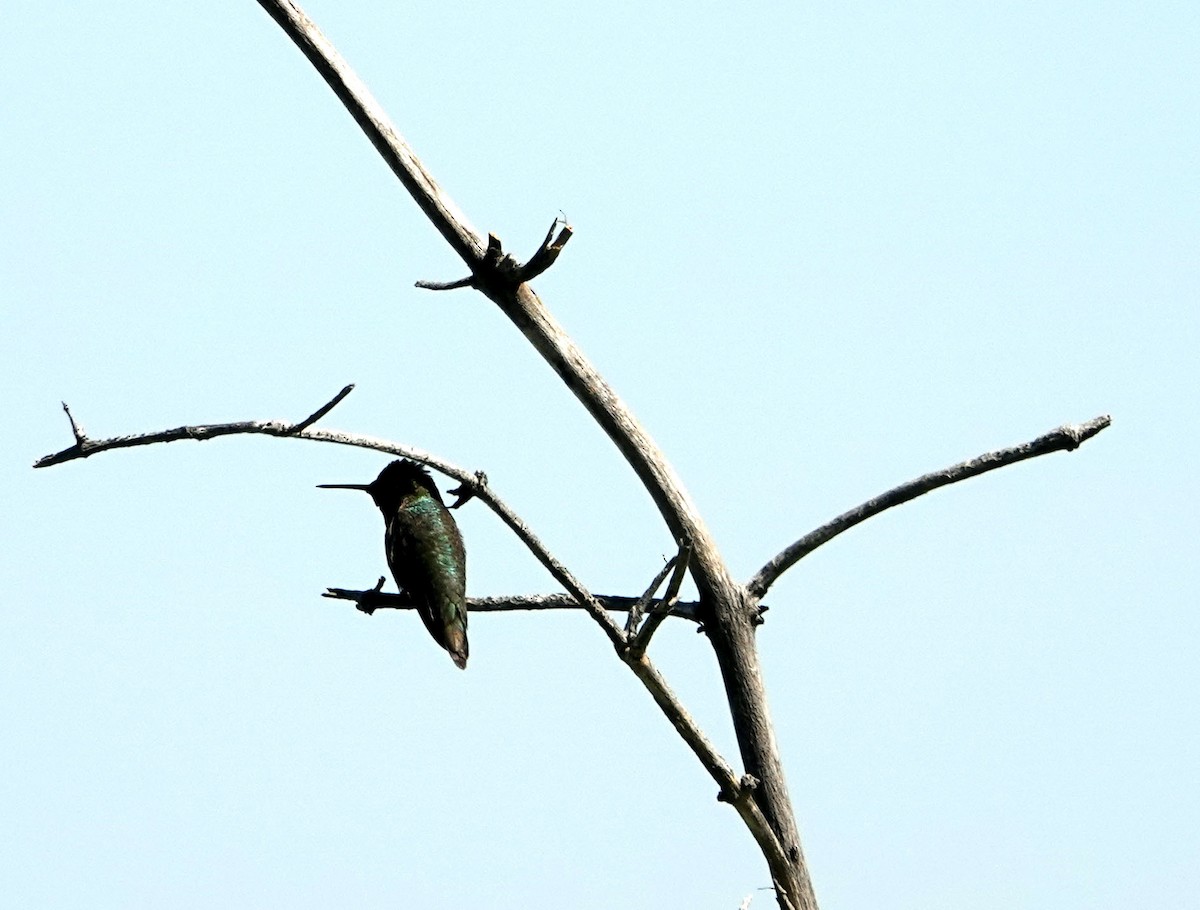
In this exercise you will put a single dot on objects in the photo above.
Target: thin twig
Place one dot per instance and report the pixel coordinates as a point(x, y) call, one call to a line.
point(547, 253)
point(637, 609)
point(467, 282)
point(76, 429)
point(371, 600)
point(666, 606)
point(85, 447)
point(323, 410)
point(282, 428)
point(1065, 438)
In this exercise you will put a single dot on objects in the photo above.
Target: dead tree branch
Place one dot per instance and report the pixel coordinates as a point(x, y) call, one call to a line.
point(370, 600)
point(664, 607)
point(1065, 438)
point(729, 614)
point(637, 609)
point(728, 610)
point(370, 116)
point(85, 446)
point(322, 410)
point(475, 482)
point(499, 268)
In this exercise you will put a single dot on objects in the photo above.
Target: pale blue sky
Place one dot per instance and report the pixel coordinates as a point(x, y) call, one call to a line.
point(819, 252)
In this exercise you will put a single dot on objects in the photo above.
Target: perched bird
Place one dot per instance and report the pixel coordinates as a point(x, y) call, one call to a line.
point(424, 550)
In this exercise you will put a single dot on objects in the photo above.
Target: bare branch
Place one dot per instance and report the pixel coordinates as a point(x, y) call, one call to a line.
point(548, 252)
point(469, 479)
point(534, 321)
point(450, 222)
point(323, 409)
point(518, 302)
point(637, 609)
point(733, 789)
point(368, 601)
point(468, 282)
point(76, 429)
point(1065, 438)
point(85, 447)
point(373, 599)
point(730, 629)
point(553, 566)
point(665, 606)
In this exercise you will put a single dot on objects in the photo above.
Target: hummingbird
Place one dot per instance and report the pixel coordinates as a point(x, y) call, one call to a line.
point(424, 550)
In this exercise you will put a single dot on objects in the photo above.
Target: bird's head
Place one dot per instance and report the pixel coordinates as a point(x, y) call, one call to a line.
point(399, 480)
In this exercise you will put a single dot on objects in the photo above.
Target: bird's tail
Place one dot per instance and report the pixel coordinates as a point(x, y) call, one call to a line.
point(456, 644)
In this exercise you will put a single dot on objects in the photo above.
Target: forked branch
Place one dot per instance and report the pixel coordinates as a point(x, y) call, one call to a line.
point(664, 607)
point(729, 610)
point(85, 446)
point(517, 300)
point(474, 482)
point(638, 608)
point(499, 272)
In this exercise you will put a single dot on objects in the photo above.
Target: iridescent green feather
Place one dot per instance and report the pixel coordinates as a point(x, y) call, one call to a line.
point(424, 550)
point(427, 559)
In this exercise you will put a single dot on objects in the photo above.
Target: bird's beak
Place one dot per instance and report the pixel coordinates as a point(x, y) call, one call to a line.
point(344, 486)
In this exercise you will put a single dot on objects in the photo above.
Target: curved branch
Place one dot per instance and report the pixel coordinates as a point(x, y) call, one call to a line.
point(1065, 438)
point(665, 607)
point(548, 252)
point(85, 447)
point(662, 694)
point(730, 624)
point(638, 609)
point(518, 302)
point(535, 322)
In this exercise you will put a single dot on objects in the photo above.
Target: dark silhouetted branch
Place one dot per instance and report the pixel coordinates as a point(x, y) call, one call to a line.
point(664, 607)
point(548, 252)
point(500, 272)
point(76, 429)
point(323, 409)
point(371, 600)
point(638, 609)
